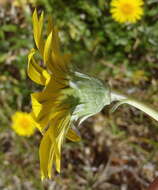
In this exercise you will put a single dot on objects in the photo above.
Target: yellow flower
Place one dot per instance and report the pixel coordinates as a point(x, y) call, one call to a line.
point(67, 96)
point(23, 124)
point(126, 10)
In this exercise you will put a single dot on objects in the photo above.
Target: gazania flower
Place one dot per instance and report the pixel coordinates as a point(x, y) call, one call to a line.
point(126, 10)
point(23, 124)
point(67, 96)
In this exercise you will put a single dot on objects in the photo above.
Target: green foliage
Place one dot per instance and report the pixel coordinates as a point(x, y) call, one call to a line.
point(15, 40)
point(88, 26)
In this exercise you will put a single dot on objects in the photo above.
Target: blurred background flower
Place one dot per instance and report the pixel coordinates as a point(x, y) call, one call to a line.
point(127, 10)
point(23, 124)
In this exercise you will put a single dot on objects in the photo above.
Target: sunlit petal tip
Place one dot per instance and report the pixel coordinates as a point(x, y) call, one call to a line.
point(41, 21)
point(37, 30)
point(47, 48)
point(42, 16)
point(58, 168)
point(35, 12)
point(42, 177)
point(35, 26)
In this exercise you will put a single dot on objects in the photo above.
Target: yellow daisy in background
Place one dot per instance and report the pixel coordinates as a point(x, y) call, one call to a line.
point(126, 10)
point(23, 124)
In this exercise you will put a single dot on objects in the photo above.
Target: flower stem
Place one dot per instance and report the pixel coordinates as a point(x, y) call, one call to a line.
point(124, 99)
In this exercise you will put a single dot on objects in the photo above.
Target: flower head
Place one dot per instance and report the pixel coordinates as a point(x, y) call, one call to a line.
point(127, 10)
point(23, 124)
point(67, 95)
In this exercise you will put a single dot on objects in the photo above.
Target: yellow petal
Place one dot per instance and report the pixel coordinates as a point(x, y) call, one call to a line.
point(50, 148)
point(36, 106)
point(41, 42)
point(44, 106)
point(36, 124)
point(61, 132)
point(58, 129)
point(47, 48)
point(41, 112)
point(57, 66)
point(48, 153)
point(56, 85)
point(39, 99)
point(54, 153)
point(73, 136)
point(58, 156)
point(37, 30)
point(56, 41)
point(41, 19)
point(35, 72)
point(44, 152)
point(35, 27)
point(47, 76)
